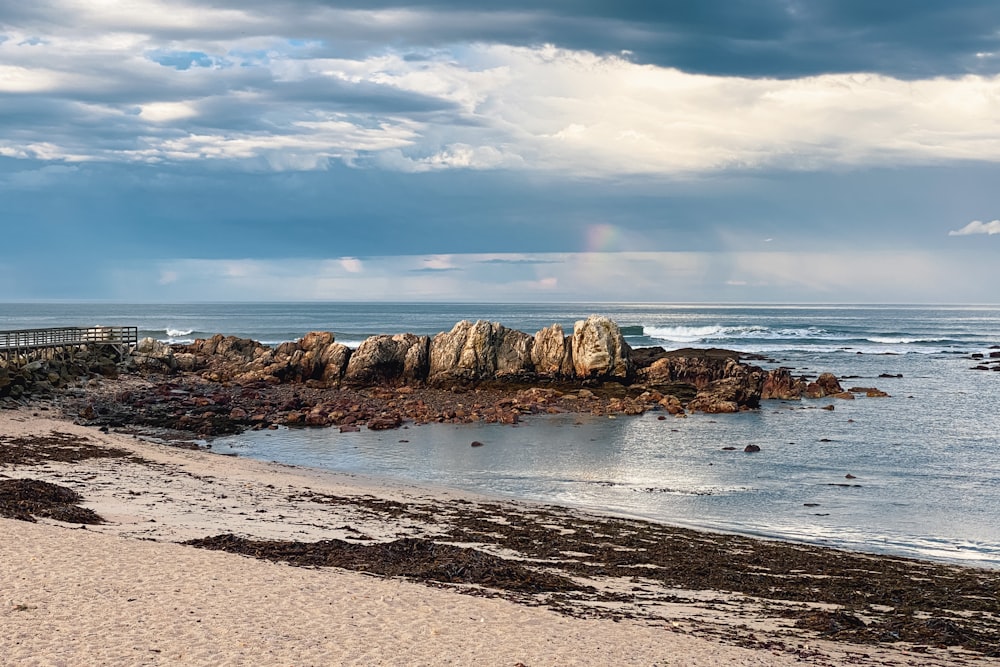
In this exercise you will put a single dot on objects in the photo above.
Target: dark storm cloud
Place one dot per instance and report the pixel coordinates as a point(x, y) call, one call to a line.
point(759, 38)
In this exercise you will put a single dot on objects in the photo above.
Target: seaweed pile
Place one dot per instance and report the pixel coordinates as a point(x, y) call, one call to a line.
point(56, 446)
point(416, 558)
point(615, 568)
point(26, 499)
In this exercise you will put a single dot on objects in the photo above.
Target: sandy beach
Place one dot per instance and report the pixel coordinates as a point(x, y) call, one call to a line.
point(126, 591)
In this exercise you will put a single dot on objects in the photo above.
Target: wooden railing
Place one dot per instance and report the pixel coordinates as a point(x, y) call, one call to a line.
point(27, 340)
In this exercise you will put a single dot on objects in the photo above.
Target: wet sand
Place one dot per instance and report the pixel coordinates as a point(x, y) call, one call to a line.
point(462, 579)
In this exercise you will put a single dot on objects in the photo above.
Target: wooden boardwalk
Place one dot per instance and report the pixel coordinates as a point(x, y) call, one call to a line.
point(25, 344)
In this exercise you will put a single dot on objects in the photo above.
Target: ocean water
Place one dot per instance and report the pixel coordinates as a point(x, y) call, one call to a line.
point(925, 463)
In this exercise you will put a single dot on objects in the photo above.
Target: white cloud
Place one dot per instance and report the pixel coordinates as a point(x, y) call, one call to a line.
point(977, 227)
point(438, 263)
point(352, 264)
point(498, 106)
point(165, 112)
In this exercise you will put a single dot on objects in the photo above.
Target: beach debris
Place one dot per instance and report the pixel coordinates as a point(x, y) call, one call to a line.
point(26, 499)
point(55, 446)
point(411, 557)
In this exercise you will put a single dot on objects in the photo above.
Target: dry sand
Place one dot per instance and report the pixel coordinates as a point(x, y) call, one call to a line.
point(125, 593)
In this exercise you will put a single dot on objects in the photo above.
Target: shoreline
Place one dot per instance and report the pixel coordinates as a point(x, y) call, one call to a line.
point(970, 559)
point(171, 495)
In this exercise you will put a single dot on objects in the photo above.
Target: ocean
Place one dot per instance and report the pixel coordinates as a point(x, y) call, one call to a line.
point(916, 474)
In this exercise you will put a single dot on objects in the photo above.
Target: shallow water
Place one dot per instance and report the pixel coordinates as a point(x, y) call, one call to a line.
point(926, 472)
point(926, 461)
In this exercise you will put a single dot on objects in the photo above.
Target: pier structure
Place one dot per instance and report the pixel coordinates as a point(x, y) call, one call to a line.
point(26, 345)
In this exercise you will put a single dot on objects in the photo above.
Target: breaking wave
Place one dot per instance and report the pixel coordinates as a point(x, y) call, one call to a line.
point(702, 334)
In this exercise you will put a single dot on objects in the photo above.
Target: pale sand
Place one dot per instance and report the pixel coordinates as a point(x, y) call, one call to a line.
point(124, 593)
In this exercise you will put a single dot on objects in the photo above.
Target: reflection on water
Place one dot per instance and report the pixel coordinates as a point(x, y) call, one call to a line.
point(902, 498)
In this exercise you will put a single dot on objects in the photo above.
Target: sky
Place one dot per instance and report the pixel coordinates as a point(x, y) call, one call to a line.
point(811, 151)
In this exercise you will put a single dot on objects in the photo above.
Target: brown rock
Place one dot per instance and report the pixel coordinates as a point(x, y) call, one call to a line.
point(779, 384)
point(829, 383)
point(385, 422)
point(671, 404)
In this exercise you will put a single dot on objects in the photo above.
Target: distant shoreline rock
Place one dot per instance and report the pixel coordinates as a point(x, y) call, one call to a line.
point(477, 371)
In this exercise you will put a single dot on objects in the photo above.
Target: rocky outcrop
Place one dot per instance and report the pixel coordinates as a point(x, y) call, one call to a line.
point(692, 366)
point(479, 351)
point(599, 350)
point(739, 389)
point(53, 369)
point(483, 353)
point(780, 384)
point(315, 357)
point(825, 385)
point(151, 355)
point(552, 352)
point(389, 360)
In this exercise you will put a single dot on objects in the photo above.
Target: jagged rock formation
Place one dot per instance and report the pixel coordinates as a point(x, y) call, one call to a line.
point(487, 352)
point(388, 360)
point(479, 351)
point(552, 352)
point(780, 384)
point(153, 356)
point(600, 350)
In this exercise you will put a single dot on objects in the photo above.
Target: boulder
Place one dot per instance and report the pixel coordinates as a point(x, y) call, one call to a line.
point(552, 352)
point(479, 351)
point(826, 385)
point(600, 350)
point(672, 405)
point(153, 356)
point(739, 389)
point(389, 359)
point(829, 383)
point(691, 366)
point(779, 384)
point(722, 396)
point(513, 352)
point(334, 359)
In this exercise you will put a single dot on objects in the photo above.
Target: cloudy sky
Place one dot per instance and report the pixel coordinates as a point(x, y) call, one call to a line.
point(719, 150)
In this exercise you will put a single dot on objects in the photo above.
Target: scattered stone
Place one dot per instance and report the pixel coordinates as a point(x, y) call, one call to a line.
point(751, 448)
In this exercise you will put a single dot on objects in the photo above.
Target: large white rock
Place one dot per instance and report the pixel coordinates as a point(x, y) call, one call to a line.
point(600, 350)
point(552, 352)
